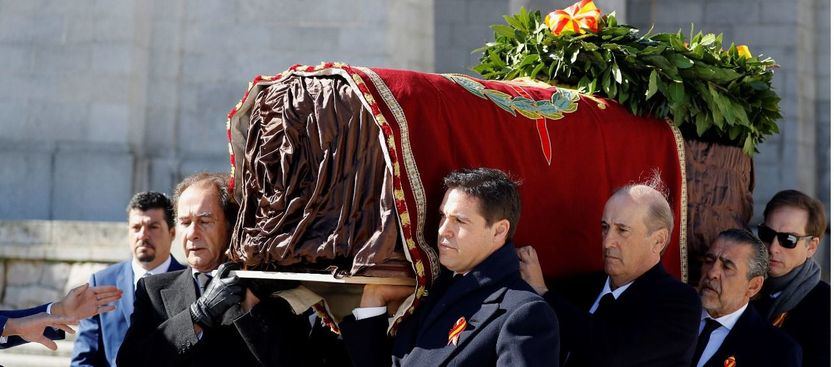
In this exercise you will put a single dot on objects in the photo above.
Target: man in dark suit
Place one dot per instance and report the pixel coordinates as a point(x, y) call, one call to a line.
point(795, 298)
point(202, 317)
point(486, 316)
point(635, 314)
point(150, 231)
point(734, 269)
point(48, 322)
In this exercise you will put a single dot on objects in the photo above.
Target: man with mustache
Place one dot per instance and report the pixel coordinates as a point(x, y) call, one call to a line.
point(202, 316)
point(635, 314)
point(795, 298)
point(485, 315)
point(150, 232)
point(734, 269)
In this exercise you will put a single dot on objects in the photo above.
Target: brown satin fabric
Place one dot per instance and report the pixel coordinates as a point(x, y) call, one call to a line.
point(314, 189)
point(719, 181)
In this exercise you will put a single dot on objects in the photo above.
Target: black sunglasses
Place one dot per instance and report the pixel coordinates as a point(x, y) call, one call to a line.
point(786, 240)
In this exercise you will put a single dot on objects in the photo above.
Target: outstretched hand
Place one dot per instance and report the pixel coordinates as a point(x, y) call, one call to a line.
point(531, 270)
point(31, 327)
point(84, 301)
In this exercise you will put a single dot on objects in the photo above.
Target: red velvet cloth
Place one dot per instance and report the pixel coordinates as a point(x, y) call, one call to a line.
point(569, 164)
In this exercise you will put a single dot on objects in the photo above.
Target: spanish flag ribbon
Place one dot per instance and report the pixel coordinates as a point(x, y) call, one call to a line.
point(730, 361)
point(455, 331)
point(576, 18)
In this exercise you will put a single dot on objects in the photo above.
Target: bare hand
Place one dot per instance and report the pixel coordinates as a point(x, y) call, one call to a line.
point(377, 295)
point(31, 327)
point(84, 301)
point(531, 270)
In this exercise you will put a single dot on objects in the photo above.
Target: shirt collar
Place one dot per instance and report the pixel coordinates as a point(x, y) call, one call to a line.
point(617, 292)
point(729, 320)
point(139, 271)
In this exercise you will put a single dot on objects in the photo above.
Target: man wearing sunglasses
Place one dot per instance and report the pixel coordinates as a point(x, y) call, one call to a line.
point(794, 298)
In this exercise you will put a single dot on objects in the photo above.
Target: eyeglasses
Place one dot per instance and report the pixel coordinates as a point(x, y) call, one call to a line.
point(786, 240)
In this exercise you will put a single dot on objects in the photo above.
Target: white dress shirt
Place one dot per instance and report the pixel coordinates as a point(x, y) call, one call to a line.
point(718, 335)
point(139, 271)
point(607, 289)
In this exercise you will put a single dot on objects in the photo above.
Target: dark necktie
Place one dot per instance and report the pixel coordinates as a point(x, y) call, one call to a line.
point(606, 304)
point(703, 339)
point(203, 280)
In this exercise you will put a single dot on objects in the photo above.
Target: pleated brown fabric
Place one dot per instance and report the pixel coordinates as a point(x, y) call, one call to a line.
point(315, 192)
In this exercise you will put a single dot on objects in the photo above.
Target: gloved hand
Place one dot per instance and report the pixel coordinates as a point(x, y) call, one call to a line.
point(222, 293)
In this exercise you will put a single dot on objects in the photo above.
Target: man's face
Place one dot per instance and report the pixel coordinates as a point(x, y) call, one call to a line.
point(150, 237)
point(464, 239)
point(789, 220)
point(724, 287)
point(629, 249)
point(203, 224)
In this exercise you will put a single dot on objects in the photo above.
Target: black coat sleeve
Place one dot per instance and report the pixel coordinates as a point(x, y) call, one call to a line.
point(367, 340)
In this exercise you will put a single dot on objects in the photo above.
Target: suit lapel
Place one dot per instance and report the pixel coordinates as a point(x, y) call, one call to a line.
point(124, 281)
point(180, 294)
point(737, 334)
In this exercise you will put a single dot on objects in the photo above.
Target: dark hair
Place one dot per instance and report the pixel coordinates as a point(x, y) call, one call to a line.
point(758, 263)
point(153, 200)
point(497, 193)
point(792, 198)
point(220, 182)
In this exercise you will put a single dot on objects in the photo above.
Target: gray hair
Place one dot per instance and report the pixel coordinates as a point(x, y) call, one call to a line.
point(758, 263)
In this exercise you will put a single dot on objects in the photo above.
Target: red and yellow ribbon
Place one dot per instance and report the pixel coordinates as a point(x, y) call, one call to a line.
point(455, 331)
point(730, 362)
point(576, 18)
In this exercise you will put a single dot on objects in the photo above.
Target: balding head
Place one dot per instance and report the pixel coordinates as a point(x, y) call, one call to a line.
point(657, 214)
point(636, 227)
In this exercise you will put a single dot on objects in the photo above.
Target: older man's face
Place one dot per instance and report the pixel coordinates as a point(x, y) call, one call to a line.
point(627, 243)
point(203, 224)
point(724, 286)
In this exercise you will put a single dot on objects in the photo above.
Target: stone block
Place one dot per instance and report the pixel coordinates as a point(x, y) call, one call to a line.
point(81, 30)
point(485, 12)
point(202, 67)
point(740, 12)
point(57, 60)
point(204, 129)
point(450, 12)
point(53, 120)
point(310, 38)
point(681, 12)
point(160, 133)
point(23, 273)
point(114, 58)
point(166, 34)
point(2, 278)
point(31, 296)
point(451, 60)
point(767, 35)
point(55, 275)
point(108, 123)
point(365, 39)
point(373, 11)
point(13, 121)
point(97, 181)
point(14, 28)
point(48, 30)
point(470, 37)
point(17, 59)
point(162, 175)
point(778, 12)
point(80, 272)
point(214, 163)
point(25, 233)
point(25, 181)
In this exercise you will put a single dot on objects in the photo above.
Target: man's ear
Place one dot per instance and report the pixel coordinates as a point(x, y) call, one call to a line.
point(173, 231)
point(660, 238)
point(813, 244)
point(754, 286)
point(501, 230)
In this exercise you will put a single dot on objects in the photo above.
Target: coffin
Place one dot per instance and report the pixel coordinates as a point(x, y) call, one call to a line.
point(339, 168)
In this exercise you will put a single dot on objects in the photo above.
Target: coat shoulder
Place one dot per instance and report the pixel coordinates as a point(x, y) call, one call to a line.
point(110, 273)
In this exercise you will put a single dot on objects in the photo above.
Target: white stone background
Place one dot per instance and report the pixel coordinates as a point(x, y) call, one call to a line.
point(103, 98)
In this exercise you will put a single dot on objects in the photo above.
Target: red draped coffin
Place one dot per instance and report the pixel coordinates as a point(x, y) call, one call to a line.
point(390, 136)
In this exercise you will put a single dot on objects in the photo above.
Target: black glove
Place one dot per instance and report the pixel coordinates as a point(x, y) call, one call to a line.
point(221, 294)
